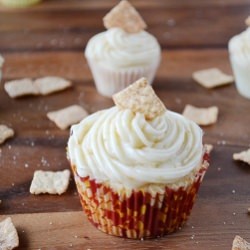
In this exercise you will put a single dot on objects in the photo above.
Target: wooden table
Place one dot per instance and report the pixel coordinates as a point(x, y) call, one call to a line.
point(49, 39)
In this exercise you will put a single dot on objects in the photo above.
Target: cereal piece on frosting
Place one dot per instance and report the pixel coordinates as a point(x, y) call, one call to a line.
point(8, 235)
point(20, 87)
point(50, 182)
point(240, 244)
point(201, 116)
point(140, 97)
point(68, 116)
point(242, 156)
point(247, 21)
point(50, 84)
point(211, 78)
point(126, 17)
point(5, 133)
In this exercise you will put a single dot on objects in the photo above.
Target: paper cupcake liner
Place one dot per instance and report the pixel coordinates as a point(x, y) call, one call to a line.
point(19, 3)
point(109, 82)
point(139, 214)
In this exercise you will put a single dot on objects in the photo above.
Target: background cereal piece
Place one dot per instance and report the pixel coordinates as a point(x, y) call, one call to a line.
point(210, 78)
point(140, 97)
point(240, 244)
point(8, 235)
point(49, 84)
point(201, 116)
point(20, 87)
point(68, 116)
point(126, 17)
point(242, 156)
point(5, 133)
point(50, 182)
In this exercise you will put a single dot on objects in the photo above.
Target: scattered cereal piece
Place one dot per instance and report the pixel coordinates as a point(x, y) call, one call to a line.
point(124, 16)
point(210, 78)
point(49, 84)
point(140, 97)
point(240, 244)
point(202, 116)
point(242, 156)
point(8, 235)
point(209, 148)
point(41, 86)
point(20, 87)
point(68, 116)
point(247, 21)
point(5, 133)
point(50, 182)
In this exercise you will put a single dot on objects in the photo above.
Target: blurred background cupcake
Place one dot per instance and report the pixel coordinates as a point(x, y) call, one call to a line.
point(137, 166)
point(123, 53)
point(19, 3)
point(239, 52)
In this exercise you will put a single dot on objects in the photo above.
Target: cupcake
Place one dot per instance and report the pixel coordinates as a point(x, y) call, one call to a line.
point(19, 3)
point(124, 53)
point(239, 52)
point(1, 65)
point(137, 166)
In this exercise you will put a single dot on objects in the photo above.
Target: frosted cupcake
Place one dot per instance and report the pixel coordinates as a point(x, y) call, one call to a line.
point(137, 166)
point(123, 53)
point(239, 51)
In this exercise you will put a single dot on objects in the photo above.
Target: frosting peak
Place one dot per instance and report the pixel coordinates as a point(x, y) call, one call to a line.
point(122, 147)
point(116, 48)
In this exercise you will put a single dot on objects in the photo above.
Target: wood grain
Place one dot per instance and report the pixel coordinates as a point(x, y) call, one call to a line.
point(71, 230)
point(176, 25)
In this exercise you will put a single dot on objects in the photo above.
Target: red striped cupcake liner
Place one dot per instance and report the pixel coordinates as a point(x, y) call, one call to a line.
point(138, 214)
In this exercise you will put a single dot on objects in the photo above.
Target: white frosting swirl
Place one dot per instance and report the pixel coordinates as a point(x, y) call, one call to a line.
point(118, 49)
point(123, 148)
point(239, 47)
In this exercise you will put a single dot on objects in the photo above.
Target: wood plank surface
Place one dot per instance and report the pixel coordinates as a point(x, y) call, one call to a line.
point(49, 39)
point(176, 24)
point(75, 232)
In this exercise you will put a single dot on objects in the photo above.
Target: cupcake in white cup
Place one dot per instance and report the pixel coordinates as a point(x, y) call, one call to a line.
point(239, 51)
point(123, 53)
